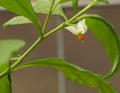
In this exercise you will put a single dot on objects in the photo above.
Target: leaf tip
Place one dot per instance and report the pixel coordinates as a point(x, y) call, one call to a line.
point(5, 26)
point(104, 1)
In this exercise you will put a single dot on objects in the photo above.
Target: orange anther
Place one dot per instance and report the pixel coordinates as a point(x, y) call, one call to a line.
point(81, 37)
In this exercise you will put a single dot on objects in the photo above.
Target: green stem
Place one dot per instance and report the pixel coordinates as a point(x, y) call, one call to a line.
point(14, 59)
point(48, 16)
point(4, 73)
point(69, 24)
point(92, 4)
point(22, 57)
point(53, 31)
point(27, 52)
point(40, 30)
point(83, 10)
point(46, 35)
point(36, 42)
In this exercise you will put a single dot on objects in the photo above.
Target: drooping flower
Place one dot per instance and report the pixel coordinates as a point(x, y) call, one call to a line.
point(78, 29)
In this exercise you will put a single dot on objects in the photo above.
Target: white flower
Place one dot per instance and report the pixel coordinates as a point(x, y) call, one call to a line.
point(79, 28)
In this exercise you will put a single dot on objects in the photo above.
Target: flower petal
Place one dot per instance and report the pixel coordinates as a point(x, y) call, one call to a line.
point(82, 27)
point(72, 29)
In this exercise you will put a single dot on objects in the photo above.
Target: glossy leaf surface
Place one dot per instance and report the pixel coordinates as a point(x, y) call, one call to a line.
point(104, 1)
point(64, 1)
point(5, 85)
point(7, 49)
point(74, 73)
point(21, 7)
point(17, 21)
point(106, 34)
point(75, 5)
point(43, 6)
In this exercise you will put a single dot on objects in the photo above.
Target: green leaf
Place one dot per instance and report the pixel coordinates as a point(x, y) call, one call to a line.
point(64, 1)
point(43, 6)
point(74, 73)
point(106, 34)
point(16, 21)
point(7, 49)
point(21, 7)
point(104, 1)
point(75, 5)
point(5, 86)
